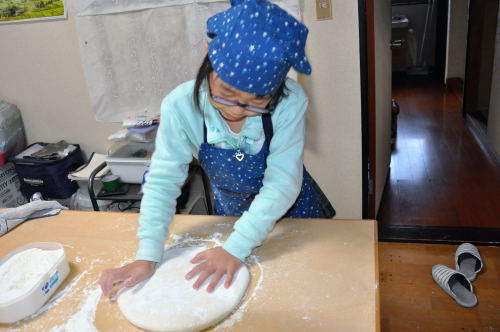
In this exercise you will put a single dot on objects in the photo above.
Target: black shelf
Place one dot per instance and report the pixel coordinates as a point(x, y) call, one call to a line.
point(130, 192)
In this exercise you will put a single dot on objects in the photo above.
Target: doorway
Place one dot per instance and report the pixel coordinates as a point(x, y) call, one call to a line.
point(480, 58)
point(439, 185)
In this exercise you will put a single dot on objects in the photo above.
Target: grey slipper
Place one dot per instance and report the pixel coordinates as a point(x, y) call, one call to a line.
point(455, 284)
point(468, 260)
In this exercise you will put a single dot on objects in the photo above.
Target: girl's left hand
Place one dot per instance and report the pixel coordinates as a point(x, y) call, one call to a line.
point(216, 261)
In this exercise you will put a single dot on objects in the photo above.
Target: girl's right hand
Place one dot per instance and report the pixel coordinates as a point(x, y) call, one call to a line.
point(130, 274)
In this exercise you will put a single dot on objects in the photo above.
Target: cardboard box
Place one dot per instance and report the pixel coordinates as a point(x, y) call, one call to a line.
point(10, 187)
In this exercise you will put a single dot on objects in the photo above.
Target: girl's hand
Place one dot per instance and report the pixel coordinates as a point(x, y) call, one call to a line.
point(130, 274)
point(216, 261)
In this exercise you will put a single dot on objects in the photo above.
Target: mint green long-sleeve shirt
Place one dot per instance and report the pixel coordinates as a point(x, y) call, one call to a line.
point(178, 140)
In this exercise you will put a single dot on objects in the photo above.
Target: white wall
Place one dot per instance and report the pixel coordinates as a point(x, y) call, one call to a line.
point(493, 129)
point(456, 50)
point(333, 146)
point(41, 73)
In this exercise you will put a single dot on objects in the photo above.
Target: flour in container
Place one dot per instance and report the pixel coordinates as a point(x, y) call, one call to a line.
point(21, 272)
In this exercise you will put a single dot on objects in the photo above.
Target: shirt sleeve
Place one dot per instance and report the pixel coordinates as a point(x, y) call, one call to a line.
point(282, 177)
point(167, 173)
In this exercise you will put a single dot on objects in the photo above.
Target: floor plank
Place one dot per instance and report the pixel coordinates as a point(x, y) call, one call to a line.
point(410, 300)
point(439, 176)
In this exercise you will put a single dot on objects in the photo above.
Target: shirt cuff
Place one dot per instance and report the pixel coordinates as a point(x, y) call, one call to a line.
point(238, 245)
point(150, 250)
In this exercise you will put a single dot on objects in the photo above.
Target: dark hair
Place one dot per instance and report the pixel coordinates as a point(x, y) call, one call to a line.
point(206, 68)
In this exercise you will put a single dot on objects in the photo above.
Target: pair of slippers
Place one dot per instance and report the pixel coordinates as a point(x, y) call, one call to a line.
point(458, 283)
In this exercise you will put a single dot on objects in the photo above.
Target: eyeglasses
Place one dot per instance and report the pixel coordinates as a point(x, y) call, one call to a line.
point(250, 108)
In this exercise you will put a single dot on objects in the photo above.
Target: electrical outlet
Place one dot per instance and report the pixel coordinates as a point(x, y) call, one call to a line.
point(323, 9)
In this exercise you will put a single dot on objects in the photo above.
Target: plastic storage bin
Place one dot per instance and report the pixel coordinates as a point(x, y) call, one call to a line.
point(131, 161)
point(12, 139)
point(29, 303)
point(81, 201)
point(49, 177)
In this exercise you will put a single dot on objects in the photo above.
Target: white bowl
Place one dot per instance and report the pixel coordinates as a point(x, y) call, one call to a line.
point(29, 303)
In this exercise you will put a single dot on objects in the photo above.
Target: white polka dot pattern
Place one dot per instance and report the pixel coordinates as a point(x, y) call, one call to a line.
point(235, 183)
point(254, 45)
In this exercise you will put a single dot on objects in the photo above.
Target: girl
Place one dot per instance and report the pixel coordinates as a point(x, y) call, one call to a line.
point(244, 121)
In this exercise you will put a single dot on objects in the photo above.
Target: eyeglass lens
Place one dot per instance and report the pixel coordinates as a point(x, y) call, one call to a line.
point(251, 108)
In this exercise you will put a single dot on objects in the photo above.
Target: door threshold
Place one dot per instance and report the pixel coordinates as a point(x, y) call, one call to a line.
point(439, 234)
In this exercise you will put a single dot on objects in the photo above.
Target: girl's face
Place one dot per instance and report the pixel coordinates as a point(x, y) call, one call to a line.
point(243, 101)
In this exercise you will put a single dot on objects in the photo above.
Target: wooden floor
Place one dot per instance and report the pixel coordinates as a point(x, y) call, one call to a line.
point(411, 301)
point(439, 176)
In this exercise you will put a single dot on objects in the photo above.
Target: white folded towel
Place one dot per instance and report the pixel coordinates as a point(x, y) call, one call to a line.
point(10, 218)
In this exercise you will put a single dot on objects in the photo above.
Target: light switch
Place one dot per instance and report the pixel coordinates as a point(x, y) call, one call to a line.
point(323, 9)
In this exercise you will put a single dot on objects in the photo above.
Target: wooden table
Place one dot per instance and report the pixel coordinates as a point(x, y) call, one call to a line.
point(309, 275)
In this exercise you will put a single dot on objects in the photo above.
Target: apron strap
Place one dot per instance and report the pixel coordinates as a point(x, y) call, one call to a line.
point(267, 124)
point(204, 131)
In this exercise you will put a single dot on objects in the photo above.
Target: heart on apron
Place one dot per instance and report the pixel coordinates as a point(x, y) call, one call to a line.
point(239, 155)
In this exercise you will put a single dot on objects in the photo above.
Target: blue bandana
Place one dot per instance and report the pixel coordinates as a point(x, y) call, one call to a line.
point(254, 45)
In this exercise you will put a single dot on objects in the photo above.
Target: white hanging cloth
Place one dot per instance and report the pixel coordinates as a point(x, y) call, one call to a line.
point(135, 52)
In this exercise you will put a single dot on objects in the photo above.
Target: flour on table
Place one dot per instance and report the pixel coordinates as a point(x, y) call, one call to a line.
point(168, 302)
point(237, 315)
point(58, 297)
point(21, 272)
point(83, 319)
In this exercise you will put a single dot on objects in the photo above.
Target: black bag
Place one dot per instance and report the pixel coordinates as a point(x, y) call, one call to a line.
point(49, 177)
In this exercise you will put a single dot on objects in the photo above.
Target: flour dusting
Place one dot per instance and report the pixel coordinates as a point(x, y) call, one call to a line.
point(179, 240)
point(237, 316)
point(83, 319)
point(58, 297)
point(21, 272)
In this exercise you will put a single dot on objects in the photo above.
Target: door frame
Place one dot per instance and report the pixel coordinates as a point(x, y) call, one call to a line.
point(367, 81)
point(473, 59)
point(368, 93)
point(396, 233)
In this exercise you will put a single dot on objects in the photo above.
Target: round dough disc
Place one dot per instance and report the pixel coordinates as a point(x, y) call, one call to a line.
point(167, 301)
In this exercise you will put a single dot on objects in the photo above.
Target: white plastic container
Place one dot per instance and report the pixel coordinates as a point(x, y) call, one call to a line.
point(29, 303)
point(131, 161)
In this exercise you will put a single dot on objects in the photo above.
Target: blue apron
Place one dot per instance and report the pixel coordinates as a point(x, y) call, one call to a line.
point(236, 179)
